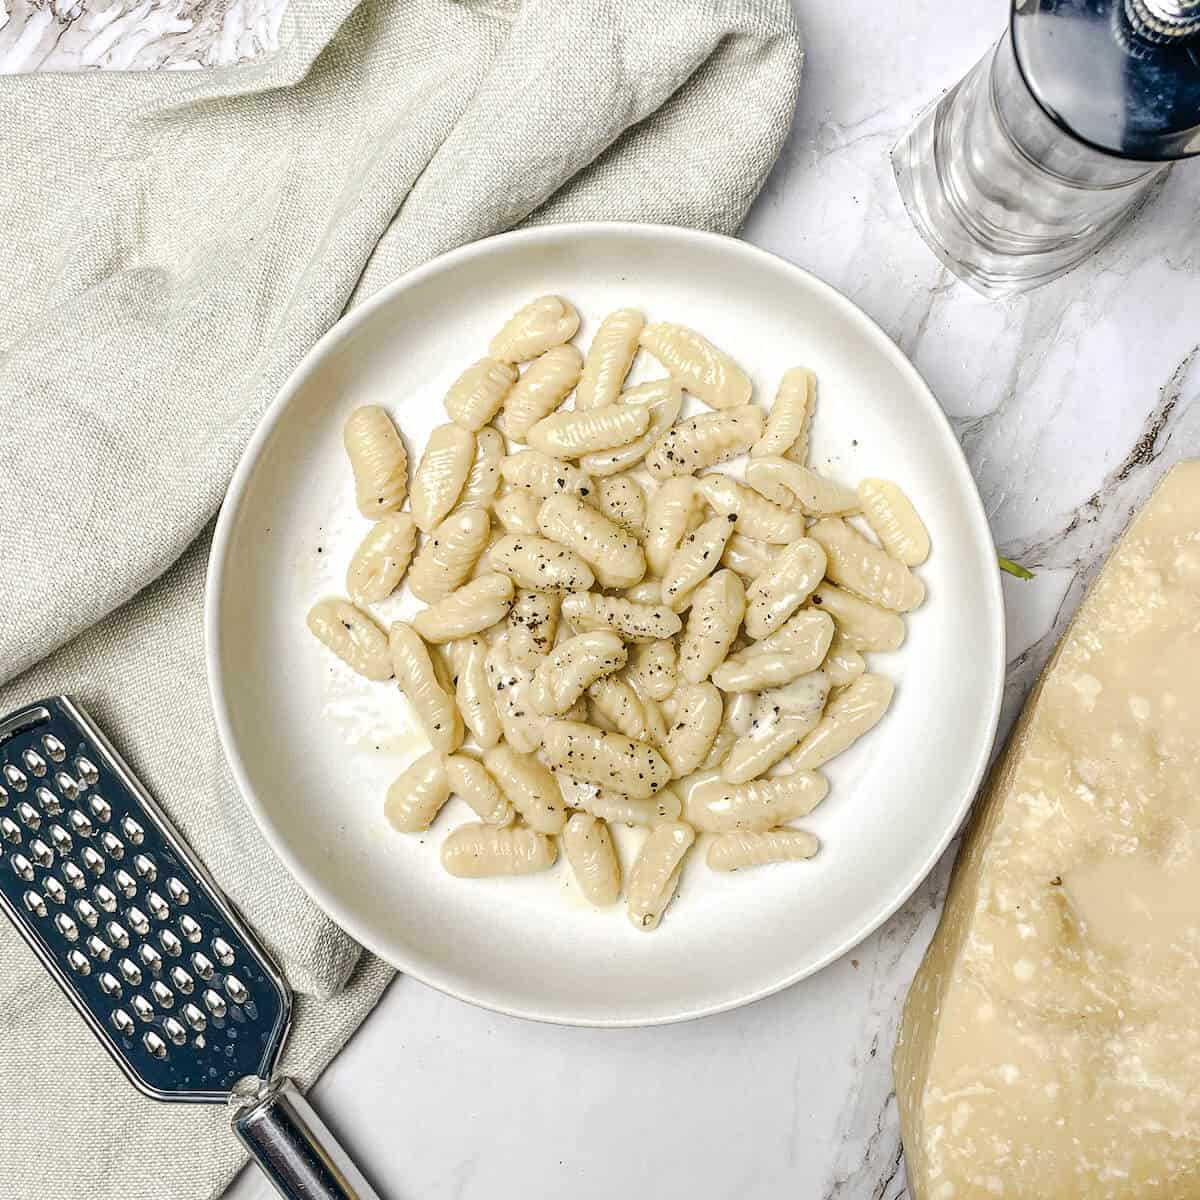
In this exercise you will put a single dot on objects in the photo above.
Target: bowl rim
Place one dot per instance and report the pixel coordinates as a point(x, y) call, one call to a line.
point(345, 328)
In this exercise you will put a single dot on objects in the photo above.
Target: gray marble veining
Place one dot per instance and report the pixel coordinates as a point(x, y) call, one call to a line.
point(1070, 403)
point(132, 35)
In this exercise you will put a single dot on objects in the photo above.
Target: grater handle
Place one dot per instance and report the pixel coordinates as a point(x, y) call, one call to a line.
point(295, 1149)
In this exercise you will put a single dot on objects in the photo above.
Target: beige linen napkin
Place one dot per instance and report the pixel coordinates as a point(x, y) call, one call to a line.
point(173, 243)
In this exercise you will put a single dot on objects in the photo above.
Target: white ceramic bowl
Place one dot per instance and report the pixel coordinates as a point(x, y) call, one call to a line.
point(314, 748)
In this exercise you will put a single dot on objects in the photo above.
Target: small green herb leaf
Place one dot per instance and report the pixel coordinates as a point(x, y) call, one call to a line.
point(1014, 568)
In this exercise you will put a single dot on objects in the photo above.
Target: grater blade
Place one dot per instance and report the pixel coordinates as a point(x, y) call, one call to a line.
point(124, 916)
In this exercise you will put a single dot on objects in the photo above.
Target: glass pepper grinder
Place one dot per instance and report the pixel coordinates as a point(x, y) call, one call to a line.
point(1055, 138)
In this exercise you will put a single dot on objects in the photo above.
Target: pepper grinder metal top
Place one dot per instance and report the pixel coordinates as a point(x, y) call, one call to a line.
point(1164, 21)
point(1121, 77)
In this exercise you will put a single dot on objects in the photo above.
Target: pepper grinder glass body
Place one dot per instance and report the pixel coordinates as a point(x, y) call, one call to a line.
point(1052, 142)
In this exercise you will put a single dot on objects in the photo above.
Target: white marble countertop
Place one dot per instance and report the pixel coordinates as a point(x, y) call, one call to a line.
point(1070, 402)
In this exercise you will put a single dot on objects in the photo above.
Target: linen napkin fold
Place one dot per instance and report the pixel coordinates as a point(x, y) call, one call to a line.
point(174, 243)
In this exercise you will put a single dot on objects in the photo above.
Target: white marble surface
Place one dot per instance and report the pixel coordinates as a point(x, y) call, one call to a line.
point(131, 35)
point(1070, 403)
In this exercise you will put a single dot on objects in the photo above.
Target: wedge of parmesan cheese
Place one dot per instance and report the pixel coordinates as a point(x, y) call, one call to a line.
point(1050, 1045)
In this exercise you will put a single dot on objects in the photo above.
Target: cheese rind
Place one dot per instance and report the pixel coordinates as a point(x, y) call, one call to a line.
point(1050, 1045)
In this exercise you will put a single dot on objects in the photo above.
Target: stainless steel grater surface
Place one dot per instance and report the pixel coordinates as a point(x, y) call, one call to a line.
point(125, 917)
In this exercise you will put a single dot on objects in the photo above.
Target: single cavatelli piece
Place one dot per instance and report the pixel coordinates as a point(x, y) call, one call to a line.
point(662, 808)
point(780, 719)
point(698, 556)
point(704, 441)
point(539, 564)
point(475, 396)
point(771, 738)
point(545, 322)
point(472, 690)
point(733, 851)
point(529, 788)
point(719, 807)
point(808, 633)
point(381, 559)
point(378, 460)
point(609, 358)
point(718, 605)
point(635, 622)
point(535, 472)
point(786, 432)
point(417, 795)
point(472, 608)
point(441, 473)
point(708, 373)
point(572, 666)
point(572, 433)
point(471, 782)
point(894, 521)
point(793, 485)
point(419, 681)
point(612, 761)
point(352, 636)
point(698, 712)
point(750, 673)
point(861, 566)
point(614, 556)
point(448, 556)
point(532, 625)
point(593, 858)
point(860, 624)
point(484, 477)
point(676, 508)
point(656, 871)
point(796, 649)
point(780, 590)
point(544, 385)
point(476, 851)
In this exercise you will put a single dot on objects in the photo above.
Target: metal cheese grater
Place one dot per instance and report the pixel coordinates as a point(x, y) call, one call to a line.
point(168, 976)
